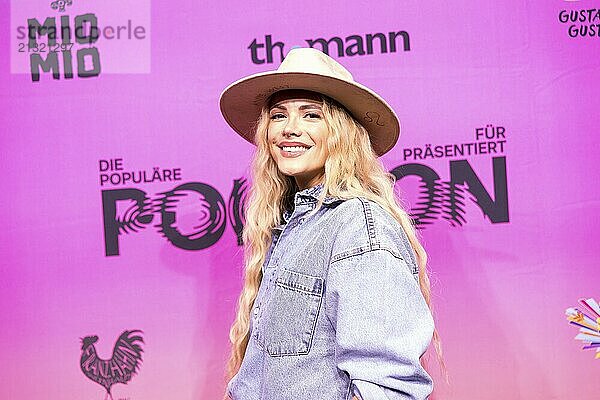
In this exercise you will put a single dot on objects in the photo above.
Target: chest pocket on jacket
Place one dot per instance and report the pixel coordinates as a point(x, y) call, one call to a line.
point(291, 317)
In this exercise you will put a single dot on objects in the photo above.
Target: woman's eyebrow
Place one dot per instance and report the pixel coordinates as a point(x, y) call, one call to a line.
point(310, 107)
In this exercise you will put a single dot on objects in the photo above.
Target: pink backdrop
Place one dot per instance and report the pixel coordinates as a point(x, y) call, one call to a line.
point(501, 285)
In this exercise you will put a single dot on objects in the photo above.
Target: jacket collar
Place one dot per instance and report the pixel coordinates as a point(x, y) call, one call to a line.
point(309, 196)
point(312, 194)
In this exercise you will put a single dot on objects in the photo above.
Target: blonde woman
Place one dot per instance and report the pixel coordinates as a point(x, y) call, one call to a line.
point(336, 297)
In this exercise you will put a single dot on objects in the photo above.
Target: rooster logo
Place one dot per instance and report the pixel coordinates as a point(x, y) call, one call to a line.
point(124, 363)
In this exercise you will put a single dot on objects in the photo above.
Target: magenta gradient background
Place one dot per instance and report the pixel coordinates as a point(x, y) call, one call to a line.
point(500, 290)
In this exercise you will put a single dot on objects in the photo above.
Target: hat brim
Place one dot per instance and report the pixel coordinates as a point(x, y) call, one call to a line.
point(242, 101)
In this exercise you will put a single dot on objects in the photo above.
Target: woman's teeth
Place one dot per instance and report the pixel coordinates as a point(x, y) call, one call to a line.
point(294, 148)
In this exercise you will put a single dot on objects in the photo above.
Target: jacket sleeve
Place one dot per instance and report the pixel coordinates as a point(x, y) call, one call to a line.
point(383, 325)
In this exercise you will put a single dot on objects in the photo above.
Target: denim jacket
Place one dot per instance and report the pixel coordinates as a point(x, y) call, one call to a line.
point(339, 311)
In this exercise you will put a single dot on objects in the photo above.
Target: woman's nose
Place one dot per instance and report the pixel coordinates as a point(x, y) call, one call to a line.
point(291, 126)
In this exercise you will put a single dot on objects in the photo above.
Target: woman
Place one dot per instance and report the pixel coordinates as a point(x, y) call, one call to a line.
point(336, 301)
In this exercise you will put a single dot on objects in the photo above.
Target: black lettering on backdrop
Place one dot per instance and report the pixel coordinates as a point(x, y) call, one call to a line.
point(352, 45)
point(208, 229)
point(437, 198)
point(268, 46)
point(211, 228)
point(236, 211)
point(446, 198)
point(85, 56)
point(497, 209)
point(135, 219)
point(429, 206)
point(589, 22)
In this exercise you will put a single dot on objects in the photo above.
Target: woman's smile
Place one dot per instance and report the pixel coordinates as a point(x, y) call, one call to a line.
point(293, 149)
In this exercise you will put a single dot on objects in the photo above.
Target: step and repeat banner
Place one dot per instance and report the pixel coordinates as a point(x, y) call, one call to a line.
point(123, 187)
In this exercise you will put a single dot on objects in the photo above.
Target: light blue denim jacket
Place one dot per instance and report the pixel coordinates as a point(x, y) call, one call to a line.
point(339, 311)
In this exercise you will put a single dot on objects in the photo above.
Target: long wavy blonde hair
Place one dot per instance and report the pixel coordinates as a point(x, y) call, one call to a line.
point(352, 169)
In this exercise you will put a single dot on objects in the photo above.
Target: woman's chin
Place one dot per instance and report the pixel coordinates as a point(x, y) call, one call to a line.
point(295, 172)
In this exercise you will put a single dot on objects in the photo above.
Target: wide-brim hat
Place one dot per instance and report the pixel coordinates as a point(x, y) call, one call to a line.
point(310, 69)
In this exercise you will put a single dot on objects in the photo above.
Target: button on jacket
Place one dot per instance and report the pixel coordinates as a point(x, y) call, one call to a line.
point(339, 311)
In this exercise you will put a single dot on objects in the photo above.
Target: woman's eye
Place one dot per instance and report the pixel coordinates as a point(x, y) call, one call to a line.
point(277, 116)
point(313, 115)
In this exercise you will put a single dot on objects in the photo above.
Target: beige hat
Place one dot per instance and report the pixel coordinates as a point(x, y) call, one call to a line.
point(310, 69)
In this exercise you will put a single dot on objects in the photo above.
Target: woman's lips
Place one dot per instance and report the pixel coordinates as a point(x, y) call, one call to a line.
point(292, 154)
